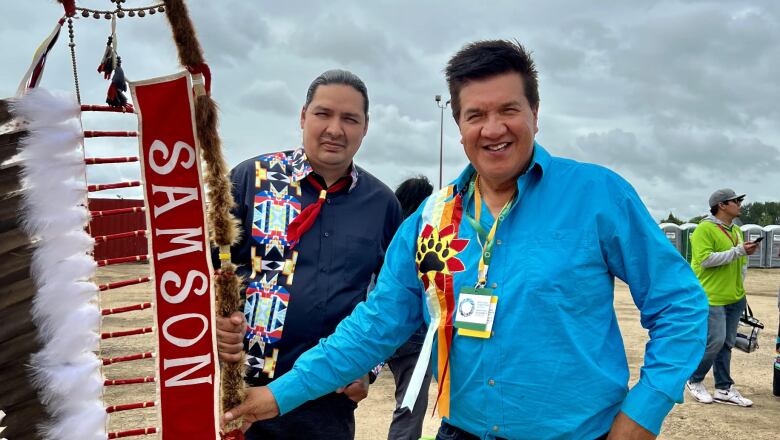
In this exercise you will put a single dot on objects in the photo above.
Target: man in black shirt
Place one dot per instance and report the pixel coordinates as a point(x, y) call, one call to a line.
point(315, 231)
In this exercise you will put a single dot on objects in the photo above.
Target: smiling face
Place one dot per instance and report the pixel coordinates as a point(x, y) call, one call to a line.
point(497, 126)
point(334, 124)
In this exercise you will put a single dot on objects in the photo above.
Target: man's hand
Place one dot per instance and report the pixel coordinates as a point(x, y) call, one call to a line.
point(259, 404)
point(357, 390)
point(623, 428)
point(750, 247)
point(230, 337)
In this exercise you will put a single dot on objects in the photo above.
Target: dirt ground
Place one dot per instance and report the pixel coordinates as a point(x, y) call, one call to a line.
point(691, 420)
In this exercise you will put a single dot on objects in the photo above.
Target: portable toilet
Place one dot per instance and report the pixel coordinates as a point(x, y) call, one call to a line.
point(673, 233)
point(751, 232)
point(771, 246)
point(686, 229)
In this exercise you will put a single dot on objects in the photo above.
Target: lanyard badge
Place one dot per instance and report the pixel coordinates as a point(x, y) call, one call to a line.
point(476, 307)
point(475, 312)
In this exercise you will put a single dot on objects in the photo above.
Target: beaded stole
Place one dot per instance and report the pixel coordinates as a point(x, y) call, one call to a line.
point(276, 204)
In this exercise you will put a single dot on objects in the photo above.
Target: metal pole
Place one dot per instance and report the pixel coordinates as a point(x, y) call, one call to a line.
point(441, 106)
point(441, 146)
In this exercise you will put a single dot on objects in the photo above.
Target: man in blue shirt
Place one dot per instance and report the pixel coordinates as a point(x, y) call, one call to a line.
point(512, 266)
point(315, 228)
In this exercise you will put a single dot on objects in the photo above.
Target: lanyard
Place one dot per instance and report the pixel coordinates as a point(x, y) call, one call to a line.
point(734, 241)
point(485, 239)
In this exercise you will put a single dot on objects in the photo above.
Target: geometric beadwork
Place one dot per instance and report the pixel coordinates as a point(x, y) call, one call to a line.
point(276, 204)
point(265, 310)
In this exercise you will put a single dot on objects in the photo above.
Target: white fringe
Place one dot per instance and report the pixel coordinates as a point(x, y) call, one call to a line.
point(66, 371)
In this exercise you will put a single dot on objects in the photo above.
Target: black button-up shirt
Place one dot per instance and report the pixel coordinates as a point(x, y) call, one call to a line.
point(336, 257)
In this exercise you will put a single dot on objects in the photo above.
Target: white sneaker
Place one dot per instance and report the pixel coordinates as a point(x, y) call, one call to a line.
point(698, 391)
point(731, 397)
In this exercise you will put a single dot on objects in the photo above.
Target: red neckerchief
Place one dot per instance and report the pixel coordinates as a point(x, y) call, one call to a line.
point(306, 218)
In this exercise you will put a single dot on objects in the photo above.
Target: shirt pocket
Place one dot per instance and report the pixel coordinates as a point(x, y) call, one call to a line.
point(360, 257)
point(562, 262)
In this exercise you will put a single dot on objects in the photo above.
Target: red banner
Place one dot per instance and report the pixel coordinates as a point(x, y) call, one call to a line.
point(188, 375)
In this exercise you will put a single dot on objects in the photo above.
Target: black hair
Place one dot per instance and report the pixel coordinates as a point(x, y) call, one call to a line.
point(714, 209)
point(485, 59)
point(411, 193)
point(340, 77)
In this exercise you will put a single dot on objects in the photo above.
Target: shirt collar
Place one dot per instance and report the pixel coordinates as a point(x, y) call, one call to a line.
point(302, 168)
point(539, 161)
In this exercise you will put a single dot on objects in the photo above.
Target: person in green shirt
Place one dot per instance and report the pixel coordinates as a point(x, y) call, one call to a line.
point(719, 261)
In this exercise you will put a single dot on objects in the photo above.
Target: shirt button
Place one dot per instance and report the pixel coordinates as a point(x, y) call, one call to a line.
point(499, 242)
point(495, 428)
point(491, 382)
point(323, 270)
point(494, 285)
point(327, 201)
point(326, 235)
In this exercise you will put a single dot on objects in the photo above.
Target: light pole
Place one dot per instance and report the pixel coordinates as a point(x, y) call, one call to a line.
point(441, 135)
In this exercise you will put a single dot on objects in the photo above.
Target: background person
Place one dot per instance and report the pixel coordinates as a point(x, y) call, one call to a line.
point(719, 261)
point(406, 424)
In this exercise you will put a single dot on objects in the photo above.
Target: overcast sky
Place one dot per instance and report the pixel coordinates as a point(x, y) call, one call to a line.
point(680, 97)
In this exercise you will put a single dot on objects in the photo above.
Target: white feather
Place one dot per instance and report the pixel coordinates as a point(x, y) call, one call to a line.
point(48, 220)
point(42, 106)
point(66, 370)
point(49, 312)
point(50, 297)
point(75, 268)
point(66, 345)
point(79, 380)
point(54, 173)
point(49, 252)
point(79, 321)
point(73, 156)
point(52, 227)
point(78, 421)
point(53, 140)
point(82, 291)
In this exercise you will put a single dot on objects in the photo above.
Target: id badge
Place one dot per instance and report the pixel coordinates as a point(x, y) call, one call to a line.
point(475, 312)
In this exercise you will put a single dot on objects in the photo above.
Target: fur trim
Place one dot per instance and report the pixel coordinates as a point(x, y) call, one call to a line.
point(222, 225)
point(190, 52)
point(228, 288)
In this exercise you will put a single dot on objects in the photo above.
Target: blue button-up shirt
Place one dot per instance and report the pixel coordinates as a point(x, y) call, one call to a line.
point(555, 367)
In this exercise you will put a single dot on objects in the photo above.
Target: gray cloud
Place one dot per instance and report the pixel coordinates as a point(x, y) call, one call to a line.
point(679, 96)
point(271, 96)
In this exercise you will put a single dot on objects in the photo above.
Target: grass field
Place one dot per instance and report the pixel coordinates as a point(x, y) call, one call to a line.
point(691, 420)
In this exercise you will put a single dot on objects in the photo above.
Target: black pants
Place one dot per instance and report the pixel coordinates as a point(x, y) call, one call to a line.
point(331, 417)
point(449, 432)
point(407, 425)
